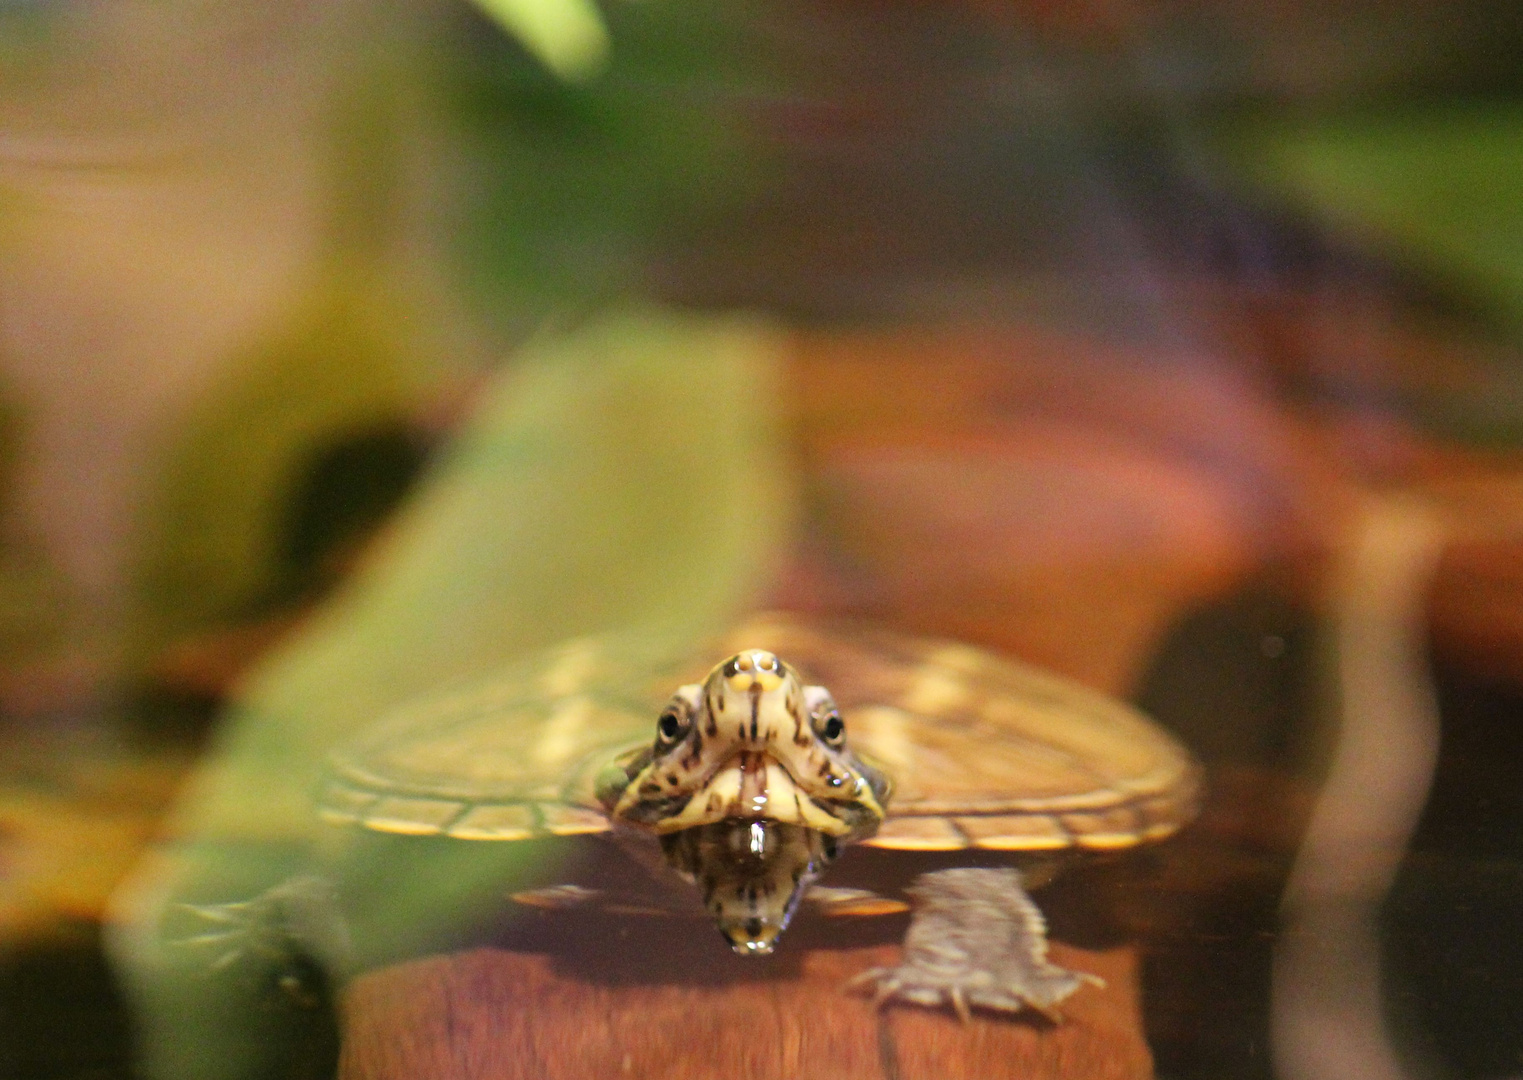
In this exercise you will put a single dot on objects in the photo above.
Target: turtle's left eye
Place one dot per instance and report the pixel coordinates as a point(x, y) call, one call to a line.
point(829, 726)
point(672, 725)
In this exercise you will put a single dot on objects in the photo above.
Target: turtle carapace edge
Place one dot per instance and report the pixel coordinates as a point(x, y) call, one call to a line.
point(747, 781)
point(751, 788)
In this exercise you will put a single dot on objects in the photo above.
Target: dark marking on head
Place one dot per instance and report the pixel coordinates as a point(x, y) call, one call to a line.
point(695, 751)
point(711, 707)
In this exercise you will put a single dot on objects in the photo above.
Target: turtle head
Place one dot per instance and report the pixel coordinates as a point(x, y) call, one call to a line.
point(751, 742)
point(752, 788)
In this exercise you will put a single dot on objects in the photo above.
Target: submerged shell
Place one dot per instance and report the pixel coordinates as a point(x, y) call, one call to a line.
point(984, 752)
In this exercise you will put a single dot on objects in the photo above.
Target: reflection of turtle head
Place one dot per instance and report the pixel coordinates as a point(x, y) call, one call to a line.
point(751, 874)
point(752, 771)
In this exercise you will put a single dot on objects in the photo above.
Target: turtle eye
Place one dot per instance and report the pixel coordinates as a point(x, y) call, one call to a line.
point(829, 726)
point(672, 725)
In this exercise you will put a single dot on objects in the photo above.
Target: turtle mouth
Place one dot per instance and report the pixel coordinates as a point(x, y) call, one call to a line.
point(753, 785)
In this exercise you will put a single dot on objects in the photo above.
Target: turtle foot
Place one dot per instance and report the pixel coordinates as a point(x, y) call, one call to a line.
point(289, 931)
point(976, 940)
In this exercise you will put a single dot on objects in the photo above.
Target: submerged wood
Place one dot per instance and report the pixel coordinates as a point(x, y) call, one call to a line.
point(494, 1013)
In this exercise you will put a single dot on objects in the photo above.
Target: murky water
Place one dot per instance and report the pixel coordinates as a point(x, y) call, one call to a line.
point(348, 355)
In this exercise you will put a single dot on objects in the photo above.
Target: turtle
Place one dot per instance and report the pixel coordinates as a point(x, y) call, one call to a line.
point(807, 736)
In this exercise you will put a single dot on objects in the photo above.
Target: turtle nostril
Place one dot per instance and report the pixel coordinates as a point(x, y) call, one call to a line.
point(743, 662)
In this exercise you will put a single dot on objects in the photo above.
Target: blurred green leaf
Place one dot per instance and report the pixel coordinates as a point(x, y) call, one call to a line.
point(1439, 188)
point(567, 35)
point(571, 188)
point(626, 476)
point(212, 548)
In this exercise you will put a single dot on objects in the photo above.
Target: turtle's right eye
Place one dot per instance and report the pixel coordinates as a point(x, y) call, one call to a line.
point(672, 725)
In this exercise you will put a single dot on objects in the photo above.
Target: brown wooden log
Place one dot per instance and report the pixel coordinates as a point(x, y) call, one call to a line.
point(493, 1013)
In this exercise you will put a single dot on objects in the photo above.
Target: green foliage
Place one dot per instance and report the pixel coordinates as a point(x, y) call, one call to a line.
point(624, 476)
point(568, 36)
point(216, 537)
point(573, 186)
point(1437, 189)
point(1440, 188)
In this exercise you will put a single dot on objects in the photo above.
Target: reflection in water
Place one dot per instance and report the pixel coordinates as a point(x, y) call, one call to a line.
point(752, 875)
point(1328, 1011)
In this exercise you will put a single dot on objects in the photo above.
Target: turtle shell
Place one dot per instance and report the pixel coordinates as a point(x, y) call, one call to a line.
point(984, 752)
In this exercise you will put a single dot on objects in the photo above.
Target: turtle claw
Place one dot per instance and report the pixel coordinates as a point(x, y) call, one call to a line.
point(885, 990)
point(557, 897)
point(837, 902)
point(227, 959)
point(212, 938)
point(976, 941)
point(960, 1003)
point(227, 914)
